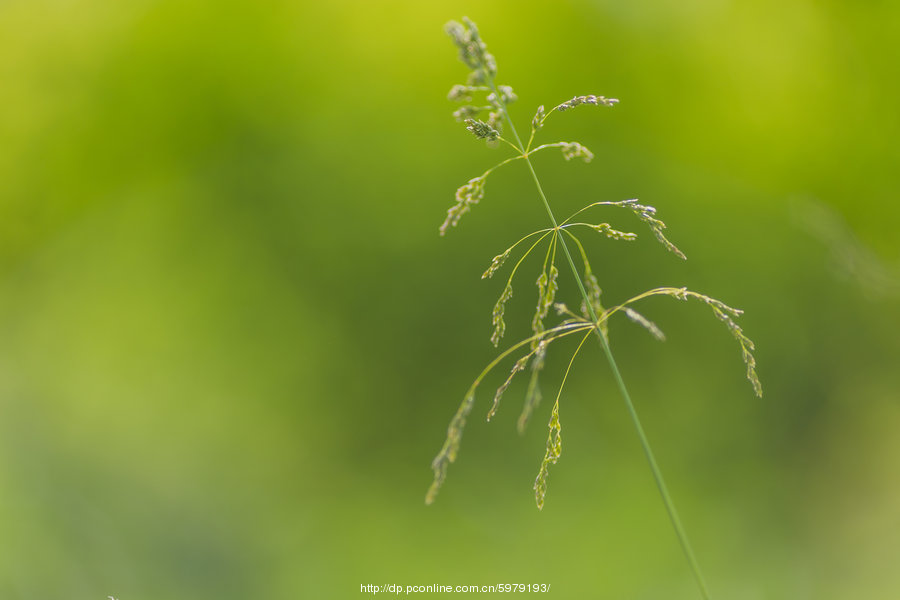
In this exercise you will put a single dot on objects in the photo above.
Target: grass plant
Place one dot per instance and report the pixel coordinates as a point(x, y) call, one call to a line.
point(485, 114)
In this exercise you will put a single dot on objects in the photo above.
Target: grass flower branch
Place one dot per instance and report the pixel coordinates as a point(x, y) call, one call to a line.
point(594, 318)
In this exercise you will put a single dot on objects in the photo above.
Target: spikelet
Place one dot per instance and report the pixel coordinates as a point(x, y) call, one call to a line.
point(537, 321)
point(591, 99)
point(448, 452)
point(726, 314)
point(496, 264)
point(551, 456)
point(507, 96)
point(645, 323)
point(466, 112)
point(647, 214)
point(572, 150)
point(467, 195)
point(495, 122)
point(547, 287)
point(482, 130)
point(538, 121)
point(472, 51)
point(592, 287)
point(461, 93)
point(518, 367)
point(614, 234)
point(497, 315)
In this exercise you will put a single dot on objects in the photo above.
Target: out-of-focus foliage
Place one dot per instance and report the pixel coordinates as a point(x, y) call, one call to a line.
point(231, 336)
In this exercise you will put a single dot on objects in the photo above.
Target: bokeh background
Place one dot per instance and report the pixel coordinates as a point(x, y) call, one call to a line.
point(231, 339)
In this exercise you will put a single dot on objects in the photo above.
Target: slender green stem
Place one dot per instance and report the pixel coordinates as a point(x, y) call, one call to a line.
point(516, 148)
point(645, 444)
point(545, 146)
point(500, 164)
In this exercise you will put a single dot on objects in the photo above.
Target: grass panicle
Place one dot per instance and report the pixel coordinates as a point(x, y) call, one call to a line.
point(647, 214)
point(722, 311)
point(646, 323)
point(466, 196)
point(496, 264)
point(482, 94)
point(482, 130)
point(572, 150)
point(590, 99)
point(551, 456)
point(497, 316)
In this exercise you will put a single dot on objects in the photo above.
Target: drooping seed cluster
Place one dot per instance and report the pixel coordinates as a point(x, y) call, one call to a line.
point(547, 288)
point(518, 367)
point(747, 347)
point(590, 99)
point(497, 316)
point(496, 263)
point(726, 314)
point(467, 195)
point(572, 150)
point(614, 234)
point(592, 286)
point(551, 456)
point(647, 214)
point(645, 323)
point(450, 448)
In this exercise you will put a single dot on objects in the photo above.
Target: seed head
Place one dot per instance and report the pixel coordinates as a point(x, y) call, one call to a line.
point(460, 93)
point(647, 214)
point(591, 99)
point(645, 323)
point(496, 264)
point(551, 456)
point(497, 315)
point(465, 112)
point(572, 150)
point(507, 96)
point(467, 195)
point(538, 121)
point(472, 51)
point(482, 130)
point(614, 234)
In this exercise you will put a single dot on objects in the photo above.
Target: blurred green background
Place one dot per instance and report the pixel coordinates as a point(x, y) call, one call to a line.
point(231, 339)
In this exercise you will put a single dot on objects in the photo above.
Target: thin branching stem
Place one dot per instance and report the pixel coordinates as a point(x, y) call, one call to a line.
point(584, 258)
point(558, 332)
point(645, 444)
point(527, 252)
point(545, 146)
point(578, 212)
point(567, 225)
point(500, 164)
point(516, 148)
point(532, 234)
point(534, 130)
